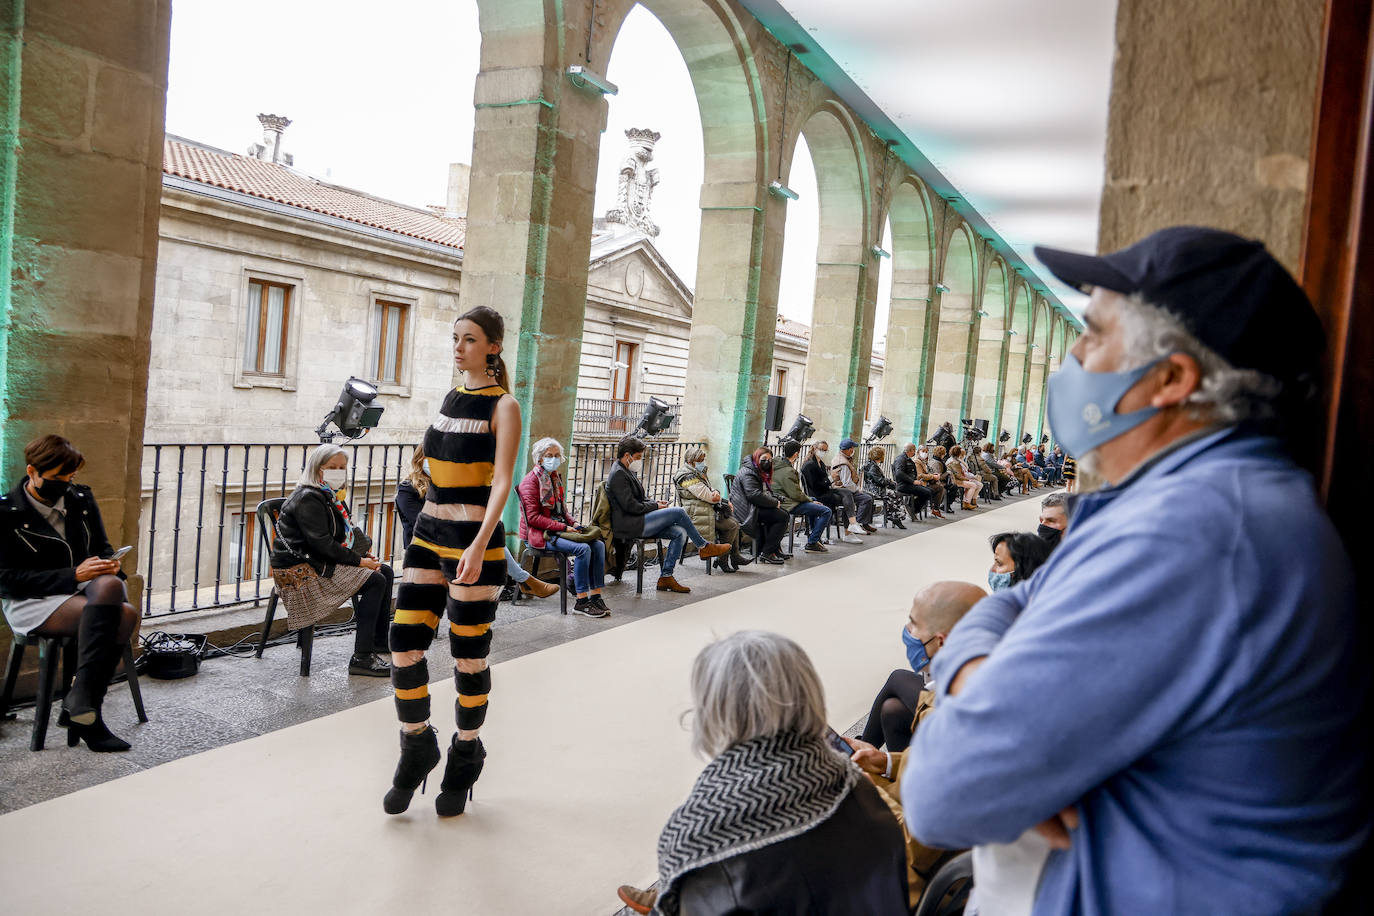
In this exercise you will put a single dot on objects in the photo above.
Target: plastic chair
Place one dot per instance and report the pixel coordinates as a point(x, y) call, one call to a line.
point(561, 559)
point(267, 512)
point(948, 891)
point(48, 649)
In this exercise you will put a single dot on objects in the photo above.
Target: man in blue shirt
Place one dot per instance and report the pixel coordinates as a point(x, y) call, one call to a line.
point(1170, 699)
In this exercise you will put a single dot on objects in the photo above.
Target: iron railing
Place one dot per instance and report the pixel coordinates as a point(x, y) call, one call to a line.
point(199, 547)
point(600, 418)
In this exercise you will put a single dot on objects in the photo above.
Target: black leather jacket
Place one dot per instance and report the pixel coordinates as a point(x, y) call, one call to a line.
point(816, 476)
point(904, 469)
point(35, 561)
point(749, 493)
point(311, 530)
point(851, 864)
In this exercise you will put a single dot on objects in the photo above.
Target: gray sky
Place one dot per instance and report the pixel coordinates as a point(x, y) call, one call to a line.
point(383, 103)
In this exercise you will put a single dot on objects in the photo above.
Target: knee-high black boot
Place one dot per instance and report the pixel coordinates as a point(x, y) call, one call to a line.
point(97, 656)
point(465, 761)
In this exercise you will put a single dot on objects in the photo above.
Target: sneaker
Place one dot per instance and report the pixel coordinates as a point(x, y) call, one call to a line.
point(600, 602)
point(817, 547)
point(850, 539)
point(369, 665)
point(855, 528)
point(587, 608)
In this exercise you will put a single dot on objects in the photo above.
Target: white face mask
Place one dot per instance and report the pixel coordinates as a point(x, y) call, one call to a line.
point(822, 453)
point(923, 455)
point(637, 466)
point(334, 478)
point(552, 463)
point(425, 464)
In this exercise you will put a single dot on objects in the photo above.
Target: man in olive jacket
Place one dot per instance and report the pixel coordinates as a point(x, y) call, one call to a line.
point(787, 485)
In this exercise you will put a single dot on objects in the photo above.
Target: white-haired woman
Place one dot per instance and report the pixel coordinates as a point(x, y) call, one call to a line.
point(545, 523)
point(320, 560)
point(779, 821)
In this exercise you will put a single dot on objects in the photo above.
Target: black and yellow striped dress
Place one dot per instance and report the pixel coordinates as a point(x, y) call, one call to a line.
point(461, 449)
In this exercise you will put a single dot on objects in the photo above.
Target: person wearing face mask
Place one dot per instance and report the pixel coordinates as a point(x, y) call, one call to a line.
point(320, 560)
point(1015, 556)
point(927, 476)
point(546, 523)
point(1054, 518)
point(1180, 685)
point(633, 515)
point(758, 509)
point(58, 577)
point(815, 474)
point(906, 476)
point(410, 499)
point(897, 711)
point(846, 478)
point(710, 511)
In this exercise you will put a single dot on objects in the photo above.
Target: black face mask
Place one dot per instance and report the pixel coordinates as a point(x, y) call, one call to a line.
point(50, 491)
point(766, 465)
point(1051, 535)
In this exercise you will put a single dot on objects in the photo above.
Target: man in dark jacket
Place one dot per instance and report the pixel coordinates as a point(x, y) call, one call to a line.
point(634, 515)
point(904, 473)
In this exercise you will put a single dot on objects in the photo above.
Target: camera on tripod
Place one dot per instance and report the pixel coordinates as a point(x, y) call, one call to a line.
point(974, 430)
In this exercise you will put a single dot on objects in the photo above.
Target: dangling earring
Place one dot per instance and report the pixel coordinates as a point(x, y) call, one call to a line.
point(491, 365)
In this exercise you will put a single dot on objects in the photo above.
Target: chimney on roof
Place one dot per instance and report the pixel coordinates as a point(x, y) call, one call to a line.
point(459, 181)
point(269, 150)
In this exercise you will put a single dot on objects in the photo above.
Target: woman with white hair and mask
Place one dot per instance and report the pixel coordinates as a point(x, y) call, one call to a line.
point(320, 559)
point(546, 523)
point(779, 821)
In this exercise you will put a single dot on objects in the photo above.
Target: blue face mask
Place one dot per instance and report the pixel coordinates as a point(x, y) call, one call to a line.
point(700, 467)
point(551, 464)
point(1082, 405)
point(998, 581)
point(915, 651)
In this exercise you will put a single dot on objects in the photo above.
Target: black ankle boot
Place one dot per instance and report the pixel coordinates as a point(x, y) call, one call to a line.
point(419, 755)
point(723, 564)
point(97, 736)
point(465, 759)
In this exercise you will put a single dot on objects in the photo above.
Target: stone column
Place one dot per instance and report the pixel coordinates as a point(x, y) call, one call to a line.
point(1014, 399)
point(950, 380)
point(85, 83)
point(837, 362)
point(988, 373)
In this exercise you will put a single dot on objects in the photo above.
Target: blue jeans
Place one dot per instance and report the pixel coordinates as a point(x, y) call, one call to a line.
point(819, 517)
point(589, 562)
point(675, 524)
point(514, 569)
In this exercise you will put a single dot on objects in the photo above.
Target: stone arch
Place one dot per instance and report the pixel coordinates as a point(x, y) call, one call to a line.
point(1018, 366)
point(837, 360)
point(990, 336)
point(950, 388)
point(1039, 360)
point(906, 356)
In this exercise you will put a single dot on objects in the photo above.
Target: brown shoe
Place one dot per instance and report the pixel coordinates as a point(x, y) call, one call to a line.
point(538, 588)
point(713, 550)
point(636, 899)
point(669, 584)
point(936, 513)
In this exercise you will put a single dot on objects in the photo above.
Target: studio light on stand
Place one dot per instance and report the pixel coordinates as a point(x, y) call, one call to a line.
point(880, 429)
point(354, 414)
point(1006, 436)
point(802, 429)
point(656, 418)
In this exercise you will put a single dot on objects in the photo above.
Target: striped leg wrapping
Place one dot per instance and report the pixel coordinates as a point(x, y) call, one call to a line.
point(471, 705)
point(411, 684)
point(417, 616)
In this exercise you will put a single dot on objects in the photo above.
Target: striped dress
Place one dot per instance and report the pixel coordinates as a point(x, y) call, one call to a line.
point(461, 449)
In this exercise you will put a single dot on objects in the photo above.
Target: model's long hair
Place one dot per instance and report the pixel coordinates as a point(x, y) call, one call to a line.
point(494, 326)
point(417, 476)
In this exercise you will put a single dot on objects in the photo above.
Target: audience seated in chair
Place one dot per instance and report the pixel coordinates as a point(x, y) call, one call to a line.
point(410, 499)
point(964, 478)
point(878, 485)
point(320, 560)
point(778, 821)
point(939, 466)
point(59, 577)
point(546, 524)
point(904, 701)
point(758, 508)
point(787, 486)
point(634, 515)
point(709, 510)
point(815, 473)
point(929, 474)
point(845, 477)
point(907, 478)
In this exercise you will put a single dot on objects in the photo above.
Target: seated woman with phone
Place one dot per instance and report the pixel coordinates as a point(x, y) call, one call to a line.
point(320, 560)
point(59, 576)
point(545, 524)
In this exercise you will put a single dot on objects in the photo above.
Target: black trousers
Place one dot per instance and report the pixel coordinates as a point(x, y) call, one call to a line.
point(894, 708)
point(774, 524)
point(920, 495)
point(831, 500)
point(374, 612)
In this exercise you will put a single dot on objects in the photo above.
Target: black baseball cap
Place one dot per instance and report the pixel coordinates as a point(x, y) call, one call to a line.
point(1228, 291)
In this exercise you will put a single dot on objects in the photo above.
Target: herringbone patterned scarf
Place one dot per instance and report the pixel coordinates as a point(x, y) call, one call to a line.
point(755, 794)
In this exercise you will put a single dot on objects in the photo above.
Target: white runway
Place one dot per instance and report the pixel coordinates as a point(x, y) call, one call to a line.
point(586, 760)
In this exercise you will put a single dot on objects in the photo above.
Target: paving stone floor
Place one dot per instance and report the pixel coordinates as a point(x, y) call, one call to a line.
point(233, 698)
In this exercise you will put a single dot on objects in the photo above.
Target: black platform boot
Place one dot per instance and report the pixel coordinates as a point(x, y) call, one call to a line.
point(465, 759)
point(419, 755)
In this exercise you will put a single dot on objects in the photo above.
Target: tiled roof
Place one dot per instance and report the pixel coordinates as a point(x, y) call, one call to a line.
point(247, 175)
point(794, 328)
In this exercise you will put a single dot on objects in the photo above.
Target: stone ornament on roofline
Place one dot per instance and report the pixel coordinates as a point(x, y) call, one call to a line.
point(634, 197)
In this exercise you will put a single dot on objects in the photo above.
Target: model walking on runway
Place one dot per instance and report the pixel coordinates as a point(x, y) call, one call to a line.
point(456, 561)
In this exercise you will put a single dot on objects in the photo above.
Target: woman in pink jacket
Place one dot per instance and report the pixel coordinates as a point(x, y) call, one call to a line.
point(543, 514)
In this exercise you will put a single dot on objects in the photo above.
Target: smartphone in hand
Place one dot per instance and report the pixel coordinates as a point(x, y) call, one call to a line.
point(837, 742)
point(118, 554)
